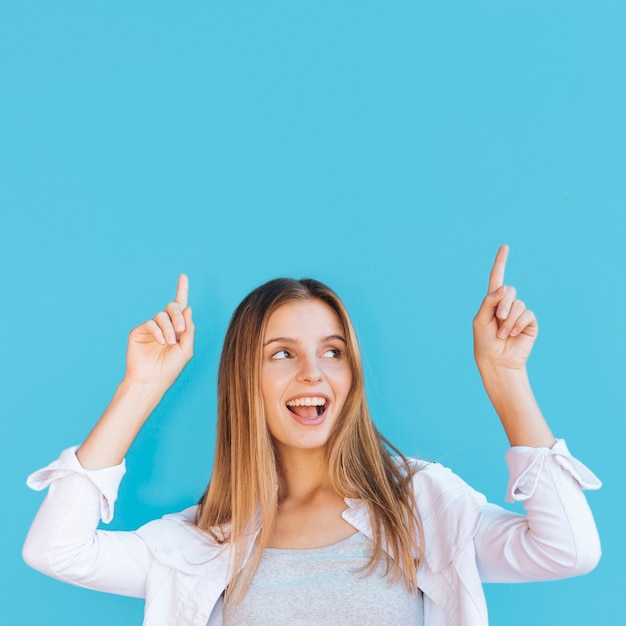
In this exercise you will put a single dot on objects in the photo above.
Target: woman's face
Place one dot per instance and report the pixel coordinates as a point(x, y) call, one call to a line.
point(306, 373)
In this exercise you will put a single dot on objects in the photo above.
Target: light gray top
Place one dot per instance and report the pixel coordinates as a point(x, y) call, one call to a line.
point(322, 586)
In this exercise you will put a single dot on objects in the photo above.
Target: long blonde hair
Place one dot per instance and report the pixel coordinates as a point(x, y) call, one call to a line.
point(243, 491)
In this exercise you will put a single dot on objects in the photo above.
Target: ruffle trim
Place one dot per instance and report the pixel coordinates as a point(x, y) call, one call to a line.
point(106, 480)
point(526, 464)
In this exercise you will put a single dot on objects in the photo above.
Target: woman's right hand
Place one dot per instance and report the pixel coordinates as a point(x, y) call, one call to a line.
point(159, 349)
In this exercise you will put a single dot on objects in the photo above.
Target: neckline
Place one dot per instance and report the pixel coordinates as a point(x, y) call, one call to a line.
point(330, 546)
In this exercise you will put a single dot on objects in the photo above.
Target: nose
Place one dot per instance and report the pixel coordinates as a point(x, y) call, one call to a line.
point(310, 370)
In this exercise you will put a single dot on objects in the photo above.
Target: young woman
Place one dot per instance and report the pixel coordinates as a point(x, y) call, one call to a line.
point(308, 518)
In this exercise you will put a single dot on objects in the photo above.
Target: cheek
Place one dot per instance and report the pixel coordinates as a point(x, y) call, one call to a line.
point(265, 395)
point(269, 409)
point(345, 378)
point(271, 387)
point(348, 382)
point(342, 384)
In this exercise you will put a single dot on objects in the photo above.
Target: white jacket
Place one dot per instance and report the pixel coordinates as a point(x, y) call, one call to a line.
point(181, 572)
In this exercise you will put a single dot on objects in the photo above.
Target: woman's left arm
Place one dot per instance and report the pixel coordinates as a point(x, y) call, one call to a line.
point(504, 334)
point(557, 537)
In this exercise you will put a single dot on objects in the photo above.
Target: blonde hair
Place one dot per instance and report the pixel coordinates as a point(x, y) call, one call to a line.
point(244, 488)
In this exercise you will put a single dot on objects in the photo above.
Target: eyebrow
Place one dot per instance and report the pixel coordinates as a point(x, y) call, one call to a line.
point(296, 341)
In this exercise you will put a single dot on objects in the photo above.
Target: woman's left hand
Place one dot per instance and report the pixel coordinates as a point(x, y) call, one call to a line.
point(504, 329)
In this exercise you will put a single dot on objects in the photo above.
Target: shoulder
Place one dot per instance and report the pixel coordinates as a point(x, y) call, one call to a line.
point(173, 528)
point(450, 510)
point(176, 539)
point(434, 483)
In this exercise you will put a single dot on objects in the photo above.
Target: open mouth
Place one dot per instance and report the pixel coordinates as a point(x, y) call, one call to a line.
point(308, 407)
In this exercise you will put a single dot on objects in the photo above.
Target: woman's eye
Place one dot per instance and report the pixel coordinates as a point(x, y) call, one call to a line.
point(281, 354)
point(334, 353)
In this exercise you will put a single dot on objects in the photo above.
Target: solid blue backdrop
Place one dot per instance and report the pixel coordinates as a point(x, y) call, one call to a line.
point(386, 148)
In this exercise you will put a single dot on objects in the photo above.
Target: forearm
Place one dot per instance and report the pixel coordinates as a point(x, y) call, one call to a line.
point(109, 441)
point(512, 397)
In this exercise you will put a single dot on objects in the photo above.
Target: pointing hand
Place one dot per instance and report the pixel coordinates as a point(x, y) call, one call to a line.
point(159, 349)
point(504, 329)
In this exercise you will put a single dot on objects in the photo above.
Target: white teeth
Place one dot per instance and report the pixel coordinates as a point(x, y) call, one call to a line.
point(307, 402)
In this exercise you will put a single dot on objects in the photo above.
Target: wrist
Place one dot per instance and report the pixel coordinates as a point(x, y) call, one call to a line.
point(511, 395)
point(504, 385)
point(139, 392)
point(109, 441)
point(134, 401)
point(501, 374)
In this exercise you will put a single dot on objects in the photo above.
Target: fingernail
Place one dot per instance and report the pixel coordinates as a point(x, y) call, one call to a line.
point(503, 314)
point(503, 332)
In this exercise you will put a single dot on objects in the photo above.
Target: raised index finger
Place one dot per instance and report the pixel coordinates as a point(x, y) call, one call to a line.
point(496, 277)
point(182, 291)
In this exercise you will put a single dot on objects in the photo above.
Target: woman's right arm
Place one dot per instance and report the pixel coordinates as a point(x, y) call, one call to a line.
point(63, 540)
point(158, 350)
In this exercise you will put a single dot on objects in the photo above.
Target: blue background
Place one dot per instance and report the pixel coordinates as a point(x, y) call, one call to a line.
point(386, 148)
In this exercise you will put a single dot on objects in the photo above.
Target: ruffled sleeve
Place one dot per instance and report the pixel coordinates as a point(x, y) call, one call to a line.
point(64, 540)
point(106, 480)
point(527, 464)
point(557, 537)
